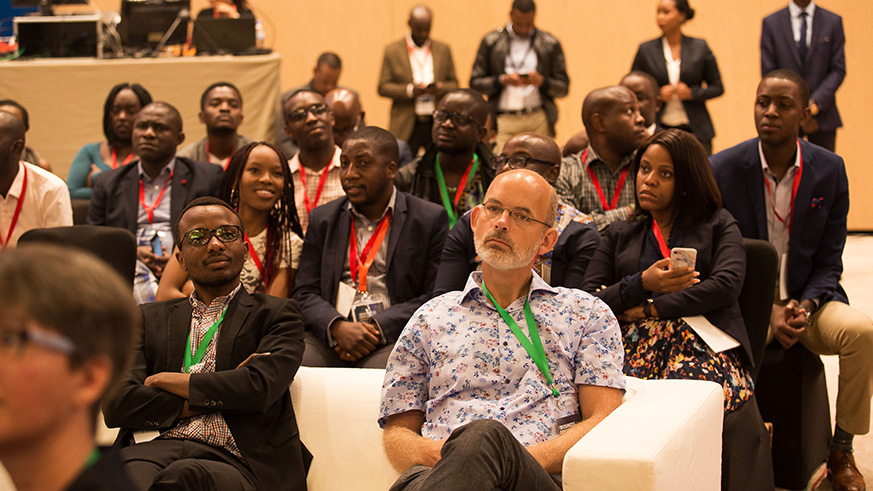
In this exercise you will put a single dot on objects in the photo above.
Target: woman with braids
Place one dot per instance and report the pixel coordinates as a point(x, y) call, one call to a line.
point(257, 184)
point(120, 109)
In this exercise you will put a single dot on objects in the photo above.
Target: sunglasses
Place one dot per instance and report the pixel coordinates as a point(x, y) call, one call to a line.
point(300, 114)
point(201, 236)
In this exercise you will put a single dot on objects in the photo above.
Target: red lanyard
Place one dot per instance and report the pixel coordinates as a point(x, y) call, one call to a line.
point(150, 210)
point(662, 244)
point(227, 160)
point(794, 187)
point(255, 258)
point(17, 211)
point(356, 264)
point(115, 159)
point(419, 62)
point(606, 206)
point(310, 206)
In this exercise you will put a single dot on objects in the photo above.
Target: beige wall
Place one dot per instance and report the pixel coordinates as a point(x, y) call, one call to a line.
point(599, 44)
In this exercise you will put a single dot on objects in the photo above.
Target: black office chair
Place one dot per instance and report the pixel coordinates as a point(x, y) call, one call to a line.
point(756, 297)
point(115, 246)
point(80, 210)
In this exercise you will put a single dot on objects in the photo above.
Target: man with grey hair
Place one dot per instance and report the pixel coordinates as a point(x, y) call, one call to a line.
point(467, 388)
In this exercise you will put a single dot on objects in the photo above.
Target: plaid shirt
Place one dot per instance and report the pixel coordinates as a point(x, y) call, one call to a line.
point(574, 186)
point(209, 428)
point(331, 191)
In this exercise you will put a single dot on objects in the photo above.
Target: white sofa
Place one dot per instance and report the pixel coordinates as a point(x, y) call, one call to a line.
point(665, 436)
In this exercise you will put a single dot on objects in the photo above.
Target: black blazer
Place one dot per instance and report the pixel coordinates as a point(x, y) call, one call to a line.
point(415, 243)
point(253, 400)
point(115, 201)
point(721, 261)
point(698, 67)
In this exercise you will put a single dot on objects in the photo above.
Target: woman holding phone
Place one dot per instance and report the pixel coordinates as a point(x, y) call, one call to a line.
point(678, 205)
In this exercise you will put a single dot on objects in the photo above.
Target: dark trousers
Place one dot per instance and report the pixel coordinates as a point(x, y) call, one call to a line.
point(318, 354)
point(481, 456)
point(185, 465)
point(421, 135)
point(824, 139)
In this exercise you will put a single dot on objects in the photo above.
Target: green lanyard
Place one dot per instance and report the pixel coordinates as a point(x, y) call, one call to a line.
point(93, 457)
point(444, 193)
point(534, 346)
point(204, 343)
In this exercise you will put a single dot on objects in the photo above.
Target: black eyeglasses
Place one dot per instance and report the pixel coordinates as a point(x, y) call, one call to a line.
point(518, 162)
point(518, 216)
point(15, 340)
point(458, 119)
point(300, 114)
point(201, 236)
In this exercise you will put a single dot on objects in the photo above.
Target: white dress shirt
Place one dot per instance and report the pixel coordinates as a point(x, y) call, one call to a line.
point(46, 203)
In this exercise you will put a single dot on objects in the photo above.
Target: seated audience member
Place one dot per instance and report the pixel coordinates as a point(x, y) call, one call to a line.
point(577, 236)
point(257, 184)
point(122, 105)
point(221, 111)
point(678, 205)
point(316, 167)
point(799, 203)
point(348, 117)
point(469, 402)
point(325, 77)
point(454, 170)
point(596, 180)
point(29, 154)
point(226, 9)
point(205, 404)
point(65, 337)
point(146, 196)
point(369, 259)
point(645, 87)
point(30, 197)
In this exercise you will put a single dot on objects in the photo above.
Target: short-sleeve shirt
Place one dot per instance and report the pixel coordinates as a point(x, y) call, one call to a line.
point(457, 361)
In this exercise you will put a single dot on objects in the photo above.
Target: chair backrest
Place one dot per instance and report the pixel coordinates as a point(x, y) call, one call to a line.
point(116, 246)
point(80, 210)
point(756, 297)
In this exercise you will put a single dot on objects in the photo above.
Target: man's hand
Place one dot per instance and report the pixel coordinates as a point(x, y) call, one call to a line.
point(514, 79)
point(667, 92)
point(173, 382)
point(155, 263)
point(419, 90)
point(788, 323)
point(355, 340)
point(404, 445)
point(659, 280)
point(683, 92)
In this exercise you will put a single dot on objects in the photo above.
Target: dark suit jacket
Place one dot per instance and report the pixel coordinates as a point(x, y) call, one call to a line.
point(570, 256)
point(721, 261)
point(396, 75)
point(825, 65)
point(490, 64)
point(415, 242)
point(698, 66)
point(818, 230)
point(115, 201)
point(418, 178)
point(254, 400)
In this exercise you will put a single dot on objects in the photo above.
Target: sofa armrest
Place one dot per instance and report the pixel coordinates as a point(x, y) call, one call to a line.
point(666, 435)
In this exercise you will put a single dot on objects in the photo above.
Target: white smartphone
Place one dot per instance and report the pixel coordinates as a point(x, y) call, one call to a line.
point(683, 257)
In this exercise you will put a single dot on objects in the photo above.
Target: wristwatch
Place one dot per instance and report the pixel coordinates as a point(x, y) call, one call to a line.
point(647, 307)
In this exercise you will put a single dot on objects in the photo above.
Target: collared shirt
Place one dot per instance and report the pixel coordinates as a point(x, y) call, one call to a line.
point(575, 187)
point(377, 275)
point(162, 224)
point(197, 151)
point(778, 199)
point(457, 361)
point(796, 20)
point(421, 60)
point(209, 428)
point(521, 58)
point(46, 203)
point(332, 187)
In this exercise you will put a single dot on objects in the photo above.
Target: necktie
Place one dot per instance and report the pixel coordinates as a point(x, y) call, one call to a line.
point(802, 46)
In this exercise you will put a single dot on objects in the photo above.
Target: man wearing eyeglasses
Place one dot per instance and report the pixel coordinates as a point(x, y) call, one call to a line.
point(205, 404)
point(490, 386)
point(565, 265)
point(315, 167)
point(369, 259)
point(66, 330)
point(454, 170)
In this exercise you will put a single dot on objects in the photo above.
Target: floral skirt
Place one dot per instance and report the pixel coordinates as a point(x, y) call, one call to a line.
point(670, 349)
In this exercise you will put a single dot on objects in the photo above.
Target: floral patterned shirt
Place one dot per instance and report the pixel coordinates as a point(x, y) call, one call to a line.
point(457, 361)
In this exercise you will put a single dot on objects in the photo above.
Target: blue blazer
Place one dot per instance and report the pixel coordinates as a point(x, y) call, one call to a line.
point(818, 231)
point(825, 65)
point(415, 243)
point(698, 66)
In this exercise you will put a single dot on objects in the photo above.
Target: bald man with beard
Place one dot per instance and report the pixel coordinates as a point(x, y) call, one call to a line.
point(30, 197)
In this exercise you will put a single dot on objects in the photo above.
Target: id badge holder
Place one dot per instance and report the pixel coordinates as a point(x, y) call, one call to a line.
point(425, 105)
point(365, 307)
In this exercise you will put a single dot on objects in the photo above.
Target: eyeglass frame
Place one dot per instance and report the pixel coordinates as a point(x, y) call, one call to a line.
point(299, 114)
point(212, 233)
point(27, 335)
point(523, 221)
point(451, 116)
point(499, 161)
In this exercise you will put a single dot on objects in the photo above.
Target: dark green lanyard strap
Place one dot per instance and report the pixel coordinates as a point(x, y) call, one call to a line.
point(204, 343)
point(534, 346)
point(444, 192)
